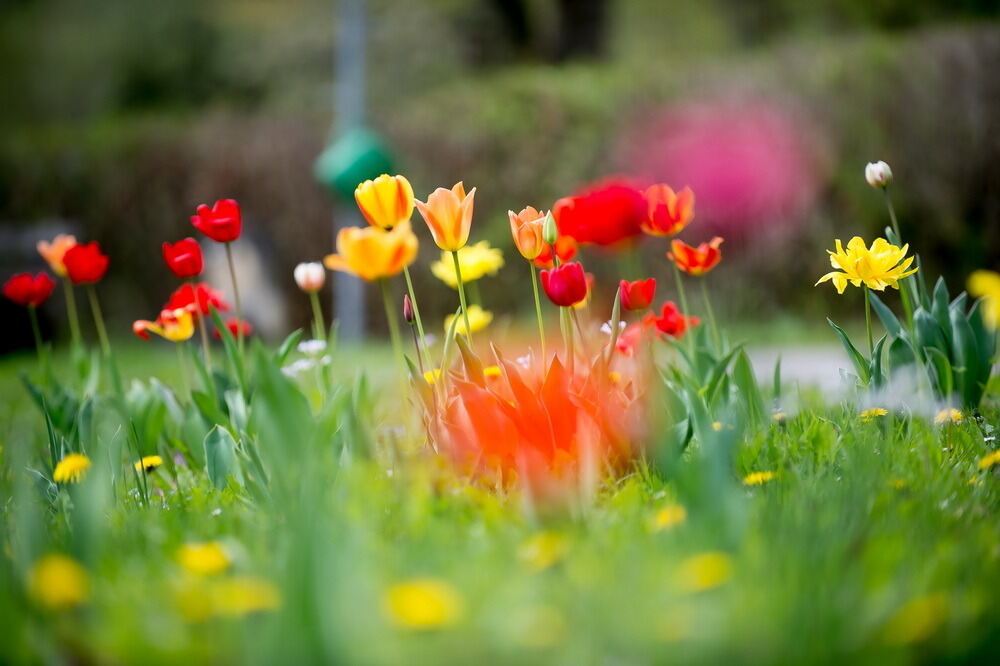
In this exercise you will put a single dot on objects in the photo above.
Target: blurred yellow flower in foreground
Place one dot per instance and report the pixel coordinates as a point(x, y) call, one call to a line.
point(949, 415)
point(371, 253)
point(148, 463)
point(203, 558)
point(989, 460)
point(71, 469)
point(422, 603)
point(478, 320)
point(476, 261)
point(704, 571)
point(877, 267)
point(872, 414)
point(543, 550)
point(916, 620)
point(58, 582)
point(986, 285)
point(669, 516)
point(199, 600)
point(758, 478)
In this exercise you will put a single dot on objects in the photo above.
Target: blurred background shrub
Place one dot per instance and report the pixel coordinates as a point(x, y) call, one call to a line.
point(119, 117)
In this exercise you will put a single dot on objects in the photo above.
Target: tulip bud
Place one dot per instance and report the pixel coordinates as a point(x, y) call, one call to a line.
point(878, 174)
point(310, 276)
point(550, 232)
point(408, 314)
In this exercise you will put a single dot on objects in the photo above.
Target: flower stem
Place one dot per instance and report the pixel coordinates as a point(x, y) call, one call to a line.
point(868, 322)
point(416, 314)
point(74, 318)
point(202, 329)
point(393, 320)
point(538, 309)
point(909, 281)
point(37, 331)
point(236, 297)
point(711, 317)
point(95, 308)
point(461, 296)
point(182, 367)
point(319, 326)
point(684, 303)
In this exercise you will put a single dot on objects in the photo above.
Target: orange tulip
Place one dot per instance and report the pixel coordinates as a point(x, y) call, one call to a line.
point(53, 252)
point(526, 228)
point(695, 260)
point(448, 214)
point(385, 201)
point(371, 253)
point(667, 212)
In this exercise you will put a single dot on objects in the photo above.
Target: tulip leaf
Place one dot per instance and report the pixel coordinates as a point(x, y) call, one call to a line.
point(929, 333)
point(746, 384)
point(875, 368)
point(776, 381)
point(941, 367)
point(901, 353)
point(220, 457)
point(286, 347)
point(885, 315)
point(964, 353)
point(860, 364)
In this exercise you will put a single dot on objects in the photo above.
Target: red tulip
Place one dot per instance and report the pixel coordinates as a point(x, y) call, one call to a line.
point(695, 260)
point(85, 263)
point(222, 222)
point(199, 299)
point(184, 258)
point(671, 321)
point(606, 213)
point(234, 326)
point(29, 291)
point(637, 295)
point(565, 285)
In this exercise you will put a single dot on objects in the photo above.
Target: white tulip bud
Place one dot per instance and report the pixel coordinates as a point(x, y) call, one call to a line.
point(310, 276)
point(878, 174)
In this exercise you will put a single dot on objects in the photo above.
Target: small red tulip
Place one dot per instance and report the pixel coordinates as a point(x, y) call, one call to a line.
point(565, 285)
point(671, 321)
point(31, 291)
point(85, 263)
point(184, 258)
point(234, 326)
point(222, 222)
point(637, 295)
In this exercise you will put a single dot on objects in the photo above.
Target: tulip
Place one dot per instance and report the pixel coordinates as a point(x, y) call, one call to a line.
point(565, 285)
point(527, 228)
point(184, 258)
point(565, 250)
point(667, 212)
point(408, 315)
point(310, 276)
point(199, 298)
point(385, 201)
point(372, 254)
point(877, 267)
point(85, 263)
point(174, 325)
point(448, 214)
point(54, 252)
point(238, 328)
point(878, 174)
point(637, 295)
point(671, 321)
point(605, 213)
point(223, 222)
point(695, 260)
point(29, 291)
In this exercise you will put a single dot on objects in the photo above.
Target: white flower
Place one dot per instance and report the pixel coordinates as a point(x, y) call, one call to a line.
point(878, 174)
point(606, 327)
point(310, 276)
point(312, 347)
point(296, 368)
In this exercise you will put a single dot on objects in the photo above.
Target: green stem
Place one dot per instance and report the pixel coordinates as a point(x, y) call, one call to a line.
point(319, 326)
point(200, 321)
point(567, 331)
point(37, 331)
point(393, 320)
point(74, 318)
point(102, 333)
point(416, 314)
point(711, 317)
point(868, 322)
point(461, 296)
point(182, 367)
point(910, 281)
point(684, 304)
point(236, 297)
point(538, 310)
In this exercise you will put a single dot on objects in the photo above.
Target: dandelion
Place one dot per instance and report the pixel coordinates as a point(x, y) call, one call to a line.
point(543, 550)
point(58, 582)
point(148, 463)
point(949, 415)
point(71, 469)
point(478, 320)
point(204, 559)
point(704, 571)
point(422, 604)
point(871, 414)
point(758, 478)
point(668, 516)
point(475, 261)
point(243, 595)
point(989, 460)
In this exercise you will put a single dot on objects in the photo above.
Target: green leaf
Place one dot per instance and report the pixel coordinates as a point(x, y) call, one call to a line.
point(776, 382)
point(885, 315)
point(746, 384)
point(286, 347)
point(220, 457)
point(860, 364)
point(964, 351)
point(929, 333)
point(209, 408)
point(875, 368)
point(939, 308)
point(232, 350)
point(901, 353)
point(942, 370)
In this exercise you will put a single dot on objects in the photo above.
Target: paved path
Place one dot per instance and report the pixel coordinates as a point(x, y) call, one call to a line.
point(817, 366)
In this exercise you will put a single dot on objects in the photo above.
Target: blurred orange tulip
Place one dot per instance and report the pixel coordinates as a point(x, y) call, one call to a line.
point(53, 252)
point(385, 201)
point(448, 214)
point(667, 212)
point(695, 260)
point(371, 253)
point(526, 228)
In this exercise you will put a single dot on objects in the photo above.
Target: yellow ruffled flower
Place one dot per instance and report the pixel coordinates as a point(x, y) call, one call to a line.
point(949, 415)
point(148, 463)
point(669, 516)
point(478, 320)
point(58, 582)
point(758, 478)
point(872, 414)
point(476, 261)
point(986, 285)
point(704, 572)
point(877, 267)
point(386, 201)
point(371, 253)
point(71, 469)
point(422, 603)
point(203, 559)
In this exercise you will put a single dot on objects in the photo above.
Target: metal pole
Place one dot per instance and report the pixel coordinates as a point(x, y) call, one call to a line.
point(349, 112)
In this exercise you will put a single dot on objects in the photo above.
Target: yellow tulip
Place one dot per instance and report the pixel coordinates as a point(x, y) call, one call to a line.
point(986, 285)
point(372, 254)
point(879, 266)
point(386, 201)
point(476, 261)
point(174, 325)
point(478, 320)
point(448, 214)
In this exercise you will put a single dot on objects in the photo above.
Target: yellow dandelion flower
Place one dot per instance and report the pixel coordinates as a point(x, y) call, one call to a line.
point(148, 463)
point(476, 261)
point(717, 426)
point(704, 571)
point(58, 582)
point(543, 550)
point(478, 320)
point(422, 603)
point(872, 414)
point(989, 460)
point(758, 478)
point(778, 416)
point(916, 620)
point(203, 559)
point(949, 415)
point(242, 595)
point(668, 516)
point(877, 267)
point(71, 469)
